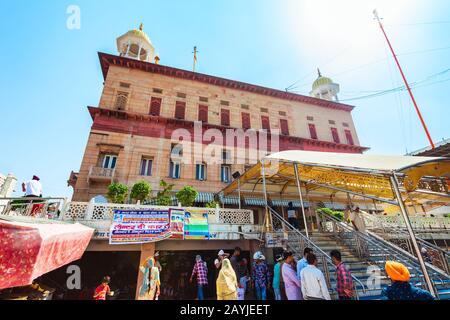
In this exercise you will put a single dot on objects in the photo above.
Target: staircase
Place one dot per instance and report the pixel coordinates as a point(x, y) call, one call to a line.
point(356, 265)
point(397, 235)
point(365, 256)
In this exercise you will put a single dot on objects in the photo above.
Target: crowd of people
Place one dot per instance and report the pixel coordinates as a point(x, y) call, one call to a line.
point(292, 279)
point(296, 280)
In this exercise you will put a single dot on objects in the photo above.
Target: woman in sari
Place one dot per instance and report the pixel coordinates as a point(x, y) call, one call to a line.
point(226, 282)
point(150, 288)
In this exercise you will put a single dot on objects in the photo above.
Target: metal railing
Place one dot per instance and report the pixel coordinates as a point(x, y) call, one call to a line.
point(376, 250)
point(49, 208)
point(399, 237)
point(419, 223)
point(101, 172)
point(297, 242)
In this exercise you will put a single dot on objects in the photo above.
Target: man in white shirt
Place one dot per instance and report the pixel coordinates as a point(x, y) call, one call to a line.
point(357, 220)
point(32, 188)
point(313, 284)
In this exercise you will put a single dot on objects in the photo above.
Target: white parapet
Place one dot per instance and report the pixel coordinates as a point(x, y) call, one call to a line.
point(224, 224)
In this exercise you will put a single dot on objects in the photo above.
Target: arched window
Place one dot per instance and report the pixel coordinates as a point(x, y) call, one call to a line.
point(121, 101)
point(155, 106)
point(180, 110)
point(265, 123)
point(284, 127)
point(225, 117)
point(134, 50)
point(335, 135)
point(246, 121)
point(203, 113)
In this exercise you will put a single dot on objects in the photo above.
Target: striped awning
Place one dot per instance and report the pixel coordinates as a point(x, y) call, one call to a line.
point(285, 203)
point(256, 202)
point(204, 197)
point(231, 200)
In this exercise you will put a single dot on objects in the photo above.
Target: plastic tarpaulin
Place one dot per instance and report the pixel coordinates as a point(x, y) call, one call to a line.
point(29, 250)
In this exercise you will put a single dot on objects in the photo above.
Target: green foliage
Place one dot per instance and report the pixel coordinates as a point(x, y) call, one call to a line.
point(117, 193)
point(163, 198)
point(212, 205)
point(337, 214)
point(186, 196)
point(141, 190)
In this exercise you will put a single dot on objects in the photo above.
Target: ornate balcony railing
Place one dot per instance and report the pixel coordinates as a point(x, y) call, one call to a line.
point(99, 173)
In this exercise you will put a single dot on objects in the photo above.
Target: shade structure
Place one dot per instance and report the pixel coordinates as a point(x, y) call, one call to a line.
point(389, 179)
point(29, 249)
point(363, 174)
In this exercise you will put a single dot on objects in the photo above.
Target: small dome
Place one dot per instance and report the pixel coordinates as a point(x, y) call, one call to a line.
point(320, 82)
point(140, 34)
point(136, 44)
point(324, 88)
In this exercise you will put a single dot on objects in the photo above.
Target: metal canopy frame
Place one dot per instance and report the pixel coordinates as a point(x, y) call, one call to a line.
point(387, 178)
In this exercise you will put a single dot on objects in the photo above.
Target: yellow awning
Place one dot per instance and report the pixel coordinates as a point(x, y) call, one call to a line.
point(367, 175)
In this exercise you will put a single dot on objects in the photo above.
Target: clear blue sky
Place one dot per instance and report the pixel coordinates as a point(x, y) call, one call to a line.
point(49, 74)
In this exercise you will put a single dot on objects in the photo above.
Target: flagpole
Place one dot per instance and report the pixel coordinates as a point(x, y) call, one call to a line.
point(404, 79)
point(195, 59)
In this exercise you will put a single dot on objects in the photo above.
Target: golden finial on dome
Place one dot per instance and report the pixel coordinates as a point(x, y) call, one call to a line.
point(141, 27)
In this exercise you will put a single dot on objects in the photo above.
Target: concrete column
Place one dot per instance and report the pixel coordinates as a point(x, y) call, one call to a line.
point(147, 251)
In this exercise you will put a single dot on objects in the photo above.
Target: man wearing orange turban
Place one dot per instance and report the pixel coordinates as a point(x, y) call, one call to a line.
point(401, 288)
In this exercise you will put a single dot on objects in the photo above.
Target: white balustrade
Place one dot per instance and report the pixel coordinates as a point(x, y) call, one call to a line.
point(227, 224)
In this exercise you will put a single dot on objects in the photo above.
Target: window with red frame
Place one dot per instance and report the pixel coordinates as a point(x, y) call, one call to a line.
point(335, 135)
point(180, 110)
point(225, 117)
point(348, 135)
point(246, 120)
point(265, 123)
point(155, 106)
point(284, 127)
point(312, 131)
point(203, 113)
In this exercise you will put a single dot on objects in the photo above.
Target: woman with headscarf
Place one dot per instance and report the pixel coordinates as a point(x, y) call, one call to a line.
point(401, 288)
point(227, 282)
point(150, 288)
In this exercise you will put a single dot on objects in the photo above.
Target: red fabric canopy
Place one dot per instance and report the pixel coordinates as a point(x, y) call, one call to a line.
point(29, 250)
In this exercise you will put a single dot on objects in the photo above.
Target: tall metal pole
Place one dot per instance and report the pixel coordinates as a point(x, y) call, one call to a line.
point(239, 190)
point(263, 173)
point(404, 79)
point(401, 204)
point(299, 186)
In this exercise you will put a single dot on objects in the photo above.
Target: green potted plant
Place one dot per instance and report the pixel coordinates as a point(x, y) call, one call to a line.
point(141, 191)
point(117, 193)
point(163, 197)
point(186, 196)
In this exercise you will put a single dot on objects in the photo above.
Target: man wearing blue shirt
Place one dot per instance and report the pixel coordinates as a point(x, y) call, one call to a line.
point(401, 288)
point(302, 263)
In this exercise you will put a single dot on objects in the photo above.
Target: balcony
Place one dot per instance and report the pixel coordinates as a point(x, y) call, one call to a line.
point(99, 174)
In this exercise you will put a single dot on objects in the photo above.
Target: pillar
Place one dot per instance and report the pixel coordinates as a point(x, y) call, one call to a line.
point(147, 251)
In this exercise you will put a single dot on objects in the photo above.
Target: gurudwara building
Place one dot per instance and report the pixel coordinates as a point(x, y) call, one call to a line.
point(143, 108)
point(144, 102)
